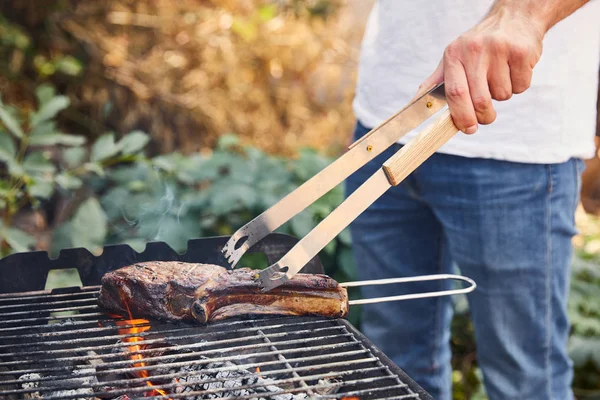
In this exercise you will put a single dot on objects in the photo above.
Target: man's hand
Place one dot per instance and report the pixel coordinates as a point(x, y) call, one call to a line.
point(495, 58)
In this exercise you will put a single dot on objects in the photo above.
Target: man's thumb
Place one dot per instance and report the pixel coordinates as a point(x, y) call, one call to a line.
point(432, 81)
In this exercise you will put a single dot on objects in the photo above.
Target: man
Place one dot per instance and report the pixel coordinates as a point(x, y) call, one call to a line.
point(498, 204)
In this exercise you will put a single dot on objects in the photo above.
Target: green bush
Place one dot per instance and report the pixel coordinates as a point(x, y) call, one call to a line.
point(29, 175)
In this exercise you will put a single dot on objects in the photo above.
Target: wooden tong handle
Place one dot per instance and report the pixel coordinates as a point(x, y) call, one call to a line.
point(420, 148)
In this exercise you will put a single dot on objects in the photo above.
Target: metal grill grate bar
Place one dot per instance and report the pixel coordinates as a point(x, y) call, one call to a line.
point(29, 306)
point(204, 343)
point(75, 355)
point(64, 385)
point(51, 318)
point(187, 355)
point(295, 379)
point(45, 326)
point(44, 294)
point(357, 393)
point(49, 310)
point(180, 374)
point(48, 343)
point(294, 390)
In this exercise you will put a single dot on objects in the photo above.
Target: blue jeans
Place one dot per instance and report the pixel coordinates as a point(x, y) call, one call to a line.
point(506, 225)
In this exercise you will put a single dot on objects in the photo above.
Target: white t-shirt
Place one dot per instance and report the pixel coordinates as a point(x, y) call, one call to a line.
point(552, 121)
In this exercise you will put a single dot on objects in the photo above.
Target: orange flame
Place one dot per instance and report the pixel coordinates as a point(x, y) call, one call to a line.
point(137, 347)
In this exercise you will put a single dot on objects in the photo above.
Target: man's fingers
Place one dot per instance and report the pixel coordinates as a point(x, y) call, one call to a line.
point(480, 94)
point(432, 81)
point(499, 81)
point(520, 77)
point(458, 96)
point(521, 70)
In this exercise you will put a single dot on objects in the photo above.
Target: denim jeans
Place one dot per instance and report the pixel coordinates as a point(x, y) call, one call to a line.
point(506, 225)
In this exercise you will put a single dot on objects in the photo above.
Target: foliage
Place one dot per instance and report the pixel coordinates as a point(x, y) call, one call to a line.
point(29, 174)
point(279, 73)
point(584, 313)
point(34, 170)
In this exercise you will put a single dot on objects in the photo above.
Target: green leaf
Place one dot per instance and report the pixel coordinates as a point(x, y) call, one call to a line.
point(88, 226)
point(303, 223)
point(227, 141)
point(345, 237)
point(69, 65)
point(231, 196)
point(582, 349)
point(41, 187)
point(104, 147)
point(309, 163)
point(191, 170)
point(15, 169)
point(167, 162)
point(176, 232)
point(94, 167)
point(68, 181)
point(133, 142)
point(74, 156)
point(50, 109)
point(37, 162)
point(330, 248)
point(346, 263)
point(17, 239)
point(10, 121)
point(8, 150)
point(61, 239)
point(124, 174)
point(114, 202)
point(45, 134)
point(44, 94)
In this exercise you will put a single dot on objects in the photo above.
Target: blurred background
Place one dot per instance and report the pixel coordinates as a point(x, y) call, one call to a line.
point(153, 120)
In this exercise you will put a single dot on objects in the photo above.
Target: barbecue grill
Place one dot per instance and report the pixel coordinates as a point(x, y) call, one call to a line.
point(57, 344)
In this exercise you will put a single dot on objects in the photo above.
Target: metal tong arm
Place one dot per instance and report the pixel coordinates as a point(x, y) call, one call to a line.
point(421, 278)
point(359, 153)
point(393, 171)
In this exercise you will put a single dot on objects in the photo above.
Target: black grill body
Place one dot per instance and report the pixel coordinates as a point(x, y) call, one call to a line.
point(60, 345)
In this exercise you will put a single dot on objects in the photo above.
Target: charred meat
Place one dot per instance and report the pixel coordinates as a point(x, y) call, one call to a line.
point(171, 290)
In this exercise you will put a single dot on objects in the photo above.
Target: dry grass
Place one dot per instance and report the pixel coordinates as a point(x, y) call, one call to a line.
point(188, 71)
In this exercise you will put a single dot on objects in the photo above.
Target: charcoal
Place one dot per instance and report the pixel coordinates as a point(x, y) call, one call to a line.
point(231, 380)
point(62, 321)
point(85, 393)
point(30, 385)
point(90, 379)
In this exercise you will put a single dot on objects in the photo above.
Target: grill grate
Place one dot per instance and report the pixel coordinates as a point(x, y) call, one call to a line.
point(59, 345)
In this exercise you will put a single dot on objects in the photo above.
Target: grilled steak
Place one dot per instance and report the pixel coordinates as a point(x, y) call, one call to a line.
point(171, 290)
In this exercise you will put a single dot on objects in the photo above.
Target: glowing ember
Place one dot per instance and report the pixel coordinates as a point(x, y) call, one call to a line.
point(137, 347)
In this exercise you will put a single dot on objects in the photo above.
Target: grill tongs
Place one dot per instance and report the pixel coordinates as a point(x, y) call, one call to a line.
point(393, 171)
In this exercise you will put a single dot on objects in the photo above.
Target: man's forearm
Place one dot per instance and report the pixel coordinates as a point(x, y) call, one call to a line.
point(544, 13)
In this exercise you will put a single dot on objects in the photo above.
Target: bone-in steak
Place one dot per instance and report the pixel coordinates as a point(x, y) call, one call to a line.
point(172, 290)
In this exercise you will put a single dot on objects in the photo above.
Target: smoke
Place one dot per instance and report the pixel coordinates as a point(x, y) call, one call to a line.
point(156, 217)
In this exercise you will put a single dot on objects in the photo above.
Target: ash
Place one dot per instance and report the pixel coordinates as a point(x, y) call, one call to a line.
point(86, 393)
point(230, 380)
